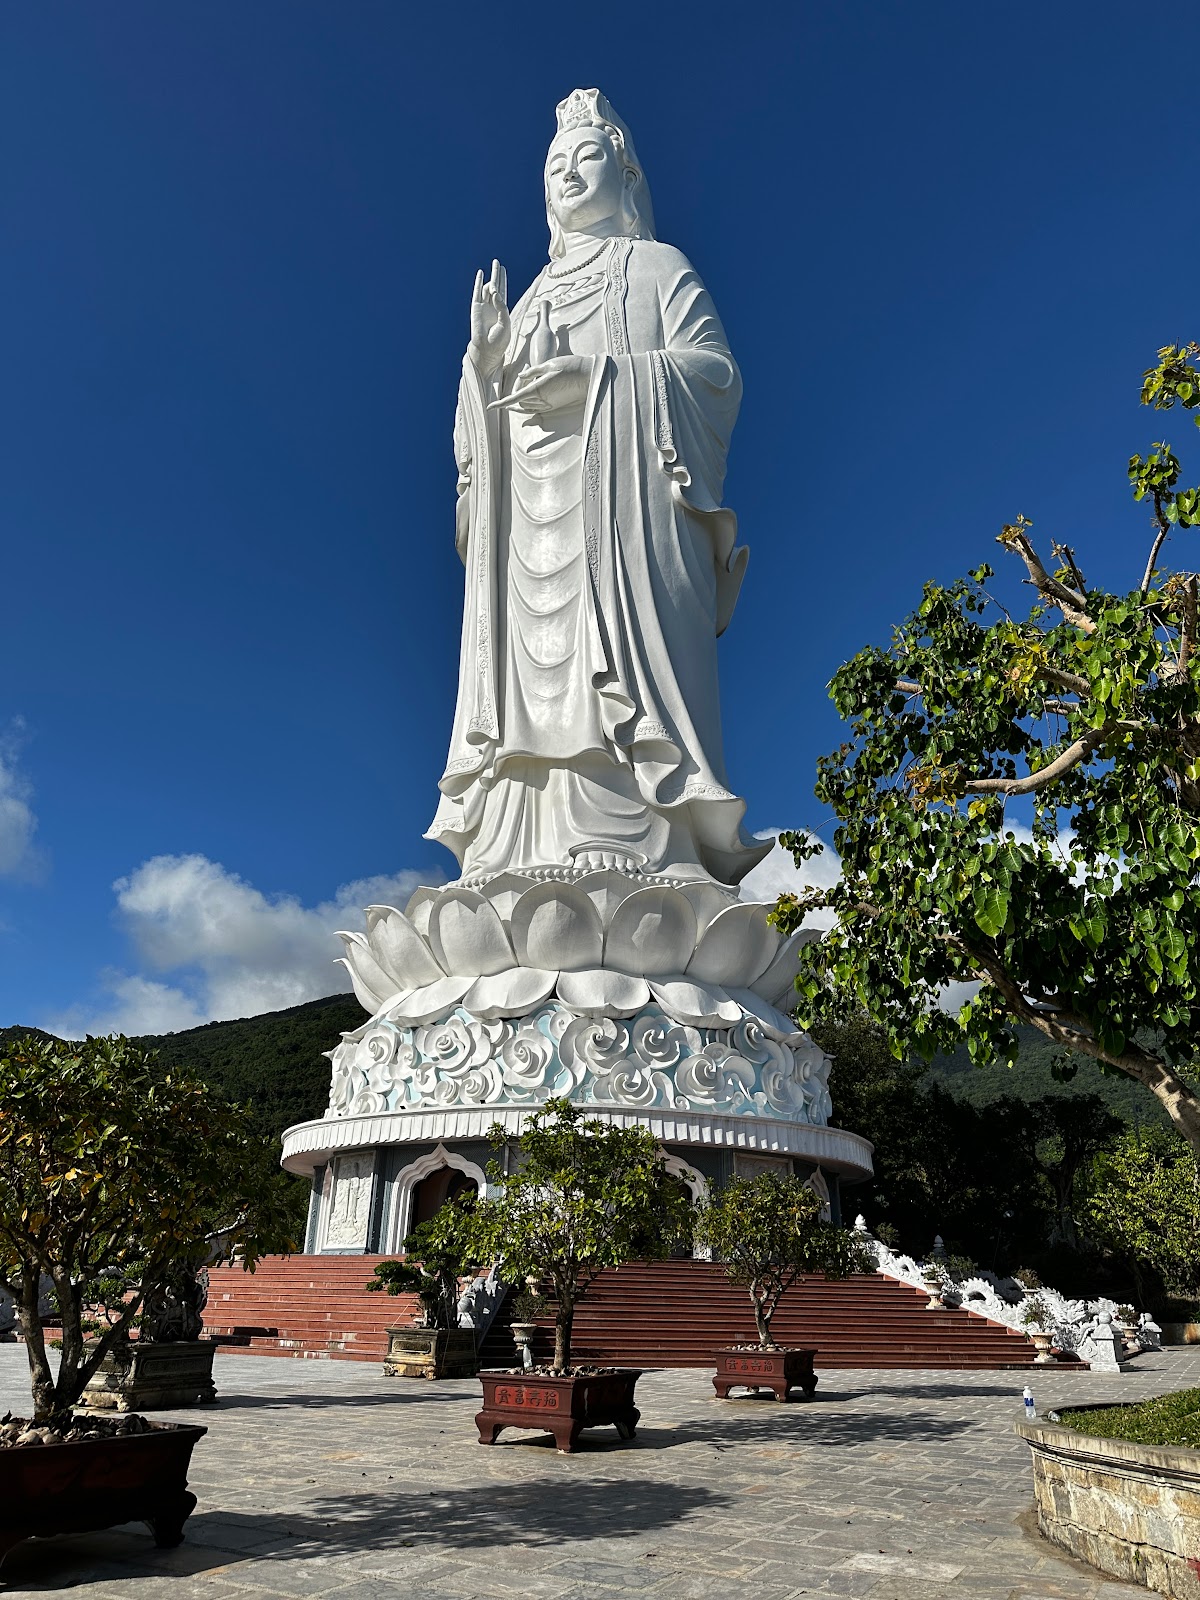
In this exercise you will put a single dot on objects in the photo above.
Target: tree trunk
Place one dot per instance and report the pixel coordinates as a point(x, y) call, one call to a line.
point(562, 1336)
point(69, 1386)
point(41, 1380)
point(762, 1319)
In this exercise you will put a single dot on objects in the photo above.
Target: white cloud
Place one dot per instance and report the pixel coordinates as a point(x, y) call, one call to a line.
point(133, 1005)
point(19, 856)
point(778, 874)
point(231, 950)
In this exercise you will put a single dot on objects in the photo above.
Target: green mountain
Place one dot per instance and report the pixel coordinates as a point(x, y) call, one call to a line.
point(274, 1062)
point(1030, 1077)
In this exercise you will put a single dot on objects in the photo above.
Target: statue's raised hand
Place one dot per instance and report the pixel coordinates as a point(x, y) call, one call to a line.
point(490, 321)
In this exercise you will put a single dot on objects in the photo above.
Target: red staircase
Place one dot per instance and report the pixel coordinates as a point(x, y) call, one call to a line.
point(311, 1306)
point(676, 1313)
point(660, 1314)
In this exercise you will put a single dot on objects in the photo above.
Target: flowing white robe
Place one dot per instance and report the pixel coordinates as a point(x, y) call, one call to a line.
point(600, 568)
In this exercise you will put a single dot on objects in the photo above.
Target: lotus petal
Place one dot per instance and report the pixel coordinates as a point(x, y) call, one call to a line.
point(420, 908)
point(371, 983)
point(737, 945)
point(504, 890)
point(652, 934)
point(602, 993)
point(556, 925)
point(400, 949)
point(776, 983)
point(606, 890)
point(774, 1023)
point(429, 1003)
point(467, 936)
point(700, 1005)
point(509, 994)
point(708, 900)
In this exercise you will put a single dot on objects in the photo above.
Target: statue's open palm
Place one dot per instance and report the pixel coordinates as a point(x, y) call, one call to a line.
point(491, 324)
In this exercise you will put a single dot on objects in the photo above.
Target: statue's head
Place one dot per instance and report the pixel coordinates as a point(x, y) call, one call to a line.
point(593, 177)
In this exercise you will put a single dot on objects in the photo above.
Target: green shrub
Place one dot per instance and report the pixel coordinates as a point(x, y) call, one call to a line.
point(1171, 1419)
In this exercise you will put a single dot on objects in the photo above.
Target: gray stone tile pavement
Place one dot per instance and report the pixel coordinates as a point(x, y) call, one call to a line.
point(325, 1478)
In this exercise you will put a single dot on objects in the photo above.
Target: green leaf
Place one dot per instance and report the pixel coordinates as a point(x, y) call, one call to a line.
point(990, 910)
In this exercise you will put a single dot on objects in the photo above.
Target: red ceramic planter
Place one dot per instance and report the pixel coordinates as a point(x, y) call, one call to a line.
point(562, 1404)
point(98, 1483)
point(780, 1370)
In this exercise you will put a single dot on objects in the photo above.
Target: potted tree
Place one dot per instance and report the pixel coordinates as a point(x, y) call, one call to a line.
point(577, 1194)
point(437, 1255)
point(768, 1231)
point(1037, 1319)
point(112, 1169)
point(168, 1364)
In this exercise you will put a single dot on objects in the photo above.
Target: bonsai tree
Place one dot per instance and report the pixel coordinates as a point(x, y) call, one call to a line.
point(1083, 716)
point(1036, 1315)
point(115, 1176)
point(437, 1255)
point(579, 1195)
point(768, 1230)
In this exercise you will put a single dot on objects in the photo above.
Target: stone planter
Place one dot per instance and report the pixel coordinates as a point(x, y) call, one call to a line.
point(935, 1289)
point(98, 1483)
point(154, 1377)
point(524, 1334)
point(430, 1353)
point(1041, 1343)
point(1132, 1510)
point(559, 1403)
point(778, 1370)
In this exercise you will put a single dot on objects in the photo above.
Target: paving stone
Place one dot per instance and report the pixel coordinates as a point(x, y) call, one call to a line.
point(325, 1479)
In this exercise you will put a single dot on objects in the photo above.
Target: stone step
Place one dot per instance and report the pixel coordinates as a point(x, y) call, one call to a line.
point(673, 1313)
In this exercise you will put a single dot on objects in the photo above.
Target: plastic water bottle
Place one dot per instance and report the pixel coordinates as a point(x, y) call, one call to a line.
point(1030, 1408)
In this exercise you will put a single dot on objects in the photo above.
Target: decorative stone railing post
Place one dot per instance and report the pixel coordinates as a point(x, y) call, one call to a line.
point(1099, 1345)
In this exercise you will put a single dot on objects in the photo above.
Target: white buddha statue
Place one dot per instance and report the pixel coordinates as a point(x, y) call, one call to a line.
point(591, 435)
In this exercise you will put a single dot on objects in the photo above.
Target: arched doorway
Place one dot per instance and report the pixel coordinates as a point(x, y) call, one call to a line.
point(423, 1187)
point(435, 1191)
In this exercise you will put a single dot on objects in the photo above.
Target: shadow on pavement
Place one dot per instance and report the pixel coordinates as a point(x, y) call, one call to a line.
point(340, 1526)
point(227, 1401)
point(803, 1424)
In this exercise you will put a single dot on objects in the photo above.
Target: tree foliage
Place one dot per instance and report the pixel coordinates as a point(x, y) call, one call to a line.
point(437, 1255)
point(116, 1170)
point(1144, 1205)
point(1086, 710)
point(577, 1195)
point(768, 1231)
point(997, 1182)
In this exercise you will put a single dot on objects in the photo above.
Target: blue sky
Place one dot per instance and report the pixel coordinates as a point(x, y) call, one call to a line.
point(238, 245)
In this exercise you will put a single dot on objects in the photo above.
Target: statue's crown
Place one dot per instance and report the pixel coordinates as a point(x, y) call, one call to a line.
point(584, 108)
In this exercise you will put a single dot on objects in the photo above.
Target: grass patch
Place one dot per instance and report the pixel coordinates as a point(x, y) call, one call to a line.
point(1171, 1419)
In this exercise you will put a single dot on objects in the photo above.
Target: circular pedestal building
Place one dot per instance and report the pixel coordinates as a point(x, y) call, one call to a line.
point(646, 1001)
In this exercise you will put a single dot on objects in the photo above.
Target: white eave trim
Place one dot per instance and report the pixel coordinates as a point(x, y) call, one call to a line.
point(308, 1144)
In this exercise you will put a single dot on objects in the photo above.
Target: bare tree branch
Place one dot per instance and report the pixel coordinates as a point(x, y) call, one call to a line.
point(1073, 605)
point(1062, 763)
point(1164, 527)
point(1188, 630)
point(1075, 1033)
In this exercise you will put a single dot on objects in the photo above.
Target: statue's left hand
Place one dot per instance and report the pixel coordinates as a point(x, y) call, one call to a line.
point(553, 385)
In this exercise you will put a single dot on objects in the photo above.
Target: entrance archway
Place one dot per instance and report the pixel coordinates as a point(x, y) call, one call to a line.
point(414, 1203)
point(435, 1191)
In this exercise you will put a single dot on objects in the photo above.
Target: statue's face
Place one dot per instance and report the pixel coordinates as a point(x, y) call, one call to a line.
point(584, 179)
